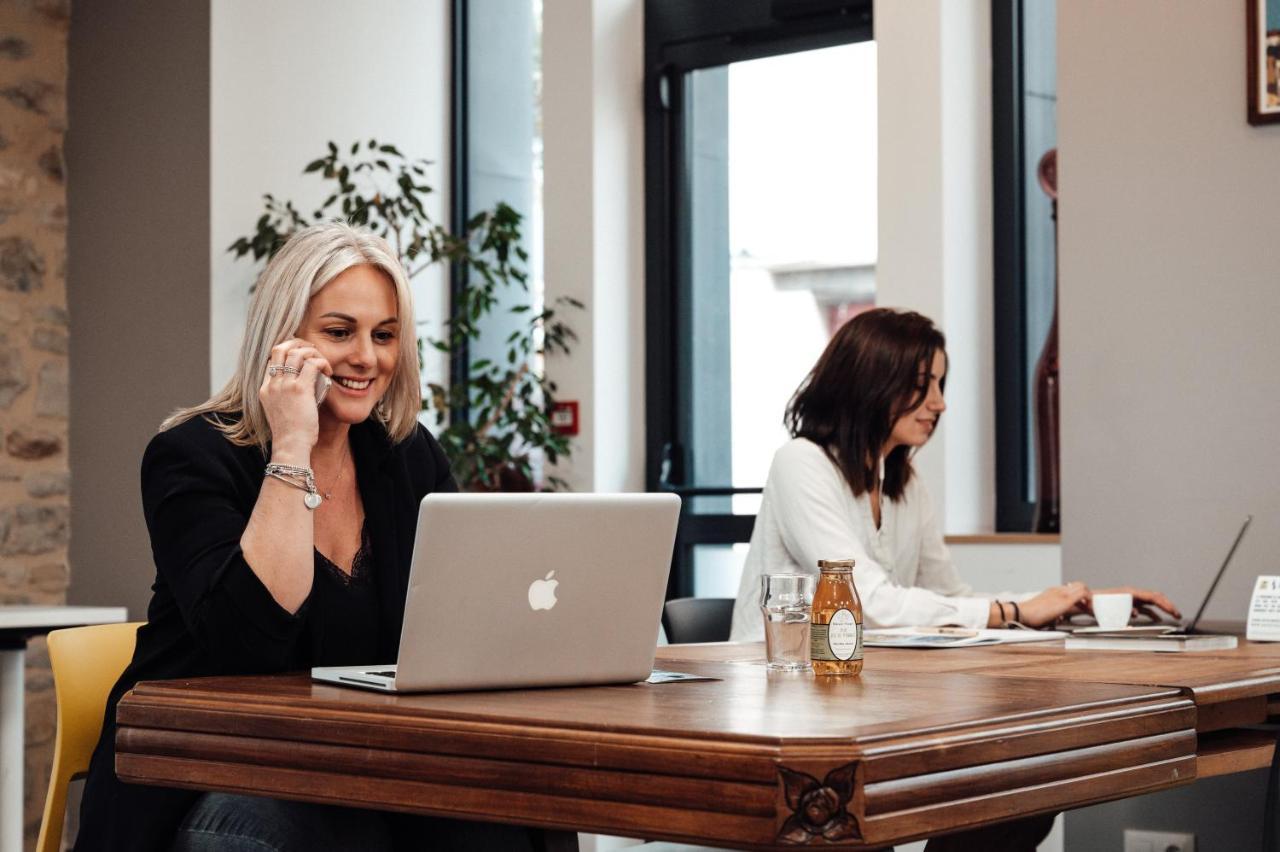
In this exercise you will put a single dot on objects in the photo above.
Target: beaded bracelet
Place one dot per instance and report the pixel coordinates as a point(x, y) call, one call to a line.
point(298, 477)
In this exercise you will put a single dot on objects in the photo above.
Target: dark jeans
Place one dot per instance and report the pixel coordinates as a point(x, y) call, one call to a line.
point(227, 823)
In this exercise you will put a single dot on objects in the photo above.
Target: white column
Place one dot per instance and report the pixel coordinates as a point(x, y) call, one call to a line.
point(935, 257)
point(593, 138)
point(968, 264)
point(12, 750)
point(910, 268)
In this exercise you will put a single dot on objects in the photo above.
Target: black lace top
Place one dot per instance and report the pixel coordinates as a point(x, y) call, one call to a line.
point(344, 610)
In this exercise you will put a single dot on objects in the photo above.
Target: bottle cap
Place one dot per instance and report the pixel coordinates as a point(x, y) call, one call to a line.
point(835, 564)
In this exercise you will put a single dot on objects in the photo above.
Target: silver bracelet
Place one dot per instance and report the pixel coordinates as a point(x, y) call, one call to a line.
point(298, 477)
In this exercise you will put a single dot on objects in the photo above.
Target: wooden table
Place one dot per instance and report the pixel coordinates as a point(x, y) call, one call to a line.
point(924, 742)
point(18, 623)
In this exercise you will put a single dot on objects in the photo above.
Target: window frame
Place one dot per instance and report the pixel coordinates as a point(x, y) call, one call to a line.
point(1014, 448)
point(474, 89)
point(683, 36)
point(459, 185)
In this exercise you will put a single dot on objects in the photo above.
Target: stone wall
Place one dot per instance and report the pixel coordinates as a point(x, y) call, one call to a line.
point(34, 476)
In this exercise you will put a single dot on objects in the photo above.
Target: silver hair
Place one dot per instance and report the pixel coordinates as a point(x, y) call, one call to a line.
point(306, 263)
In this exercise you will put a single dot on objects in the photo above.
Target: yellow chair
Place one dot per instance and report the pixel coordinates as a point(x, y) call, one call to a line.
point(86, 662)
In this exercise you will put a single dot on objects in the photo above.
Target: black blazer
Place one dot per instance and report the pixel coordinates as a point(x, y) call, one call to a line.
point(211, 615)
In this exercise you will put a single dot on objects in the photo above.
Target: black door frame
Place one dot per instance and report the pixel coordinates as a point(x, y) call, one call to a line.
point(1015, 451)
point(683, 36)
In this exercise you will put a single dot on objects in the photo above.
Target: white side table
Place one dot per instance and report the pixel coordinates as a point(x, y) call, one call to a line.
point(18, 623)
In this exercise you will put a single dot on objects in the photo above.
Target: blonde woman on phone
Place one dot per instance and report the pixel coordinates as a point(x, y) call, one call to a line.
point(281, 513)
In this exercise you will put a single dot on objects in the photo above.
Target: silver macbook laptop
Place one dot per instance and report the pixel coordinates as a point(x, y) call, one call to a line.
point(520, 590)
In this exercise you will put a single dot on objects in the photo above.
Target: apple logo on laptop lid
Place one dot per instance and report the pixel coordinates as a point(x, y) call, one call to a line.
point(542, 593)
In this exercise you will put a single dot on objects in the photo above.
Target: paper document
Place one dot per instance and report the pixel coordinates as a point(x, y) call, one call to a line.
point(1264, 611)
point(663, 676)
point(951, 637)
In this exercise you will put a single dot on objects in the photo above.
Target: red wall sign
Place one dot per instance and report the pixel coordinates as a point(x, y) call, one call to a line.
point(564, 418)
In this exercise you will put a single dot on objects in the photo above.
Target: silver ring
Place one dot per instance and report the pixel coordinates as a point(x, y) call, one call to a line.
point(282, 368)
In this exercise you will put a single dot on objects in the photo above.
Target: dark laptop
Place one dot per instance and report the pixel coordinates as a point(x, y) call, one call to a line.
point(1186, 628)
point(1192, 627)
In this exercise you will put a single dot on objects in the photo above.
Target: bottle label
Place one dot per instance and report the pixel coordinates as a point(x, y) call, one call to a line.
point(840, 641)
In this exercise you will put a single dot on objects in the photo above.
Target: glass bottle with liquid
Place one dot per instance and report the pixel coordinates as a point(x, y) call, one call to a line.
point(835, 635)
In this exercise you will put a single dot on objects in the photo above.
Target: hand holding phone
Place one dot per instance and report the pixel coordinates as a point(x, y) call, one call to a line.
point(294, 365)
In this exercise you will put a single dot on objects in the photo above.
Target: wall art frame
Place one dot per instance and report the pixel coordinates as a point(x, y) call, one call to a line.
point(1263, 58)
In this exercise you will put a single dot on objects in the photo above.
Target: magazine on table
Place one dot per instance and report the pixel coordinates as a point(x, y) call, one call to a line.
point(951, 637)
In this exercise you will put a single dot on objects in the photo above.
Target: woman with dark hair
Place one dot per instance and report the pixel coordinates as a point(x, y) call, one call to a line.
point(844, 487)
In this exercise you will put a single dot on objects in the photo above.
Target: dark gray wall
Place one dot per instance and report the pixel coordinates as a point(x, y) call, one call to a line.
point(138, 267)
point(1224, 813)
point(1169, 306)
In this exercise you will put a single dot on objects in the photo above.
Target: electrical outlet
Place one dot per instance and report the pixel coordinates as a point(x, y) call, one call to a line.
point(1158, 841)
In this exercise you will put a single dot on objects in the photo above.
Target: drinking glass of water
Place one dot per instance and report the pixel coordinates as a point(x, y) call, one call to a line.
point(785, 600)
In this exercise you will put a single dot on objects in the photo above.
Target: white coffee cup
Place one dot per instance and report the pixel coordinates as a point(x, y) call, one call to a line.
point(1112, 610)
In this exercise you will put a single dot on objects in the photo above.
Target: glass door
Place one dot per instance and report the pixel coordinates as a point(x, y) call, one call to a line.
point(762, 198)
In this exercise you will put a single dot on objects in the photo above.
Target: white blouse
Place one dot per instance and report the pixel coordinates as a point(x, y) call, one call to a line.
point(903, 572)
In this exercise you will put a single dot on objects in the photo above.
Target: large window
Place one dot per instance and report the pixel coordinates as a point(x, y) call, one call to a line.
point(1025, 128)
point(761, 224)
point(497, 144)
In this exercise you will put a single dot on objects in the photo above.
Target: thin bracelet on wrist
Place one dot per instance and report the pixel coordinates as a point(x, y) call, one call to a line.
point(1017, 613)
point(297, 477)
point(1004, 619)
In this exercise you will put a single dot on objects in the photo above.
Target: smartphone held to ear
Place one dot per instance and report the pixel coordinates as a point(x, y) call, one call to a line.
point(322, 387)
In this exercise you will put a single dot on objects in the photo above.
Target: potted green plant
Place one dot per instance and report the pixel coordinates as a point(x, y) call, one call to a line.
point(494, 422)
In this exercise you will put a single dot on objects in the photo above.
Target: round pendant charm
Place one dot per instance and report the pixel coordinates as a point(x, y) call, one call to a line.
point(312, 499)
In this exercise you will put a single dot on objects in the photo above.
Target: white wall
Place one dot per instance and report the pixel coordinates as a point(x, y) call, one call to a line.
point(593, 160)
point(287, 77)
point(997, 568)
point(935, 226)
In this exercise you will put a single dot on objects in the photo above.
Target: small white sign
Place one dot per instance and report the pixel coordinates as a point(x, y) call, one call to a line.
point(1264, 611)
